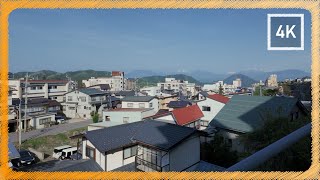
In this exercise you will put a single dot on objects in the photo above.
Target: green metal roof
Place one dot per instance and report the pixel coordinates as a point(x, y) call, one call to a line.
point(247, 113)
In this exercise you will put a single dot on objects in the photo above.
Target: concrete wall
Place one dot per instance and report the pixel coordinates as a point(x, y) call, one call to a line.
point(35, 122)
point(117, 116)
point(185, 154)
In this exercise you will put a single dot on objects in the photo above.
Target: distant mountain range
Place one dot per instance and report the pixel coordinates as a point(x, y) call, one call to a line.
point(147, 77)
point(209, 77)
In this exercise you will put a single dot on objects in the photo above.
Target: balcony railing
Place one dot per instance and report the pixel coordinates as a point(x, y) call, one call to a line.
point(147, 166)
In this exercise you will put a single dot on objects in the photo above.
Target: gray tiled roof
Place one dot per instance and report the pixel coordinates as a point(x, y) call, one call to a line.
point(247, 113)
point(203, 166)
point(76, 165)
point(157, 134)
point(91, 91)
point(138, 98)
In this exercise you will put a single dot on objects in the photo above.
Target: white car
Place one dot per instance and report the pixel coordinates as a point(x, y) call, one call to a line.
point(57, 151)
point(66, 153)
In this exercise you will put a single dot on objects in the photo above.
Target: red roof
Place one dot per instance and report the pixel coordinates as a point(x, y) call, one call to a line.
point(187, 115)
point(116, 73)
point(219, 98)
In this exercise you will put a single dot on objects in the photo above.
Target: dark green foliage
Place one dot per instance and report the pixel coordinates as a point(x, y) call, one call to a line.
point(95, 117)
point(218, 152)
point(295, 158)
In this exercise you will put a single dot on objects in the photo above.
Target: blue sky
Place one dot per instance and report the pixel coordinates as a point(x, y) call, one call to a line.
point(218, 41)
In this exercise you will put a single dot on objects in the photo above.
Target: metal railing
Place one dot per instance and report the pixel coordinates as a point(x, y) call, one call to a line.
point(145, 165)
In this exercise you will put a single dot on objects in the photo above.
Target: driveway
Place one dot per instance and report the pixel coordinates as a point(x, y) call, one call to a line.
point(53, 130)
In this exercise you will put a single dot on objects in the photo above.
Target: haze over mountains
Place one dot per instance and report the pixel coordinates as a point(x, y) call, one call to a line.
point(148, 77)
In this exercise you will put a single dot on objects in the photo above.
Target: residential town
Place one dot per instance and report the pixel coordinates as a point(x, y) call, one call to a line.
point(111, 124)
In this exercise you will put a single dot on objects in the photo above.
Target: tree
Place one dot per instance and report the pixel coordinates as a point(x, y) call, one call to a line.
point(218, 152)
point(295, 158)
point(95, 117)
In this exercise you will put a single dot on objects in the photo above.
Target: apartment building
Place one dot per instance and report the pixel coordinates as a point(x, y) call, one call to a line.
point(50, 89)
point(116, 81)
point(272, 81)
point(182, 86)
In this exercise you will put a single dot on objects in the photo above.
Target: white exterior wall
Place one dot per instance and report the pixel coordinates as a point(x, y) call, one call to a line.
point(134, 116)
point(215, 107)
point(155, 104)
point(167, 118)
point(152, 91)
point(100, 157)
point(116, 82)
point(185, 154)
point(35, 122)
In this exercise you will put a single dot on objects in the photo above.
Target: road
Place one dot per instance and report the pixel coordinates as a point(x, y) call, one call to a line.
point(53, 130)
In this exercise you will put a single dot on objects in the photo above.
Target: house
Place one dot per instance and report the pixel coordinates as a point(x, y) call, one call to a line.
point(122, 94)
point(127, 115)
point(151, 91)
point(178, 104)
point(143, 146)
point(245, 114)
point(140, 102)
point(101, 87)
point(164, 100)
point(81, 103)
point(210, 105)
point(188, 116)
point(37, 115)
point(116, 81)
point(50, 89)
point(175, 85)
point(12, 113)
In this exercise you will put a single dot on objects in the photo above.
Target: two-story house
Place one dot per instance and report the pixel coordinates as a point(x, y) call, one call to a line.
point(50, 89)
point(36, 116)
point(143, 146)
point(140, 102)
point(83, 102)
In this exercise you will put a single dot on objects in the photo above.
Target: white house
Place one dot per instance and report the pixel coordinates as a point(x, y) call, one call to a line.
point(127, 115)
point(210, 105)
point(143, 146)
point(140, 102)
point(178, 86)
point(50, 89)
point(116, 81)
point(81, 103)
point(151, 91)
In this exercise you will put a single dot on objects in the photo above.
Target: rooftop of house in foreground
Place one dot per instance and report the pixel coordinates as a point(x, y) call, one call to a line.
point(160, 135)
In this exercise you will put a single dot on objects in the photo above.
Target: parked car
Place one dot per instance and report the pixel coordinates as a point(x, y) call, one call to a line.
point(58, 150)
point(66, 153)
point(26, 157)
point(60, 119)
point(76, 156)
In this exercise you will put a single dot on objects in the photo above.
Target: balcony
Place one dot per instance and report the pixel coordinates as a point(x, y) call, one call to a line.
point(147, 166)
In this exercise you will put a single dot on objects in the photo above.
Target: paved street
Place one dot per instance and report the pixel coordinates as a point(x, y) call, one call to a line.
point(53, 130)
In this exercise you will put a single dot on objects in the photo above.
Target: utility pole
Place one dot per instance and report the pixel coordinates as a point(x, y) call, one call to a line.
point(25, 103)
point(260, 90)
point(19, 124)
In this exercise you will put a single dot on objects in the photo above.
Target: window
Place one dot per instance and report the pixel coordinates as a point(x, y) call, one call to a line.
point(69, 98)
point(40, 87)
point(204, 123)
point(129, 152)
point(206, 108)
point(150, 105)
point(71, 108)
point(44, 120)
point(33, 88)
point(141, 105)
point(82, 99)
point(125, 120)
point(90, 152)
point(84, 107)
point(130, 104)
